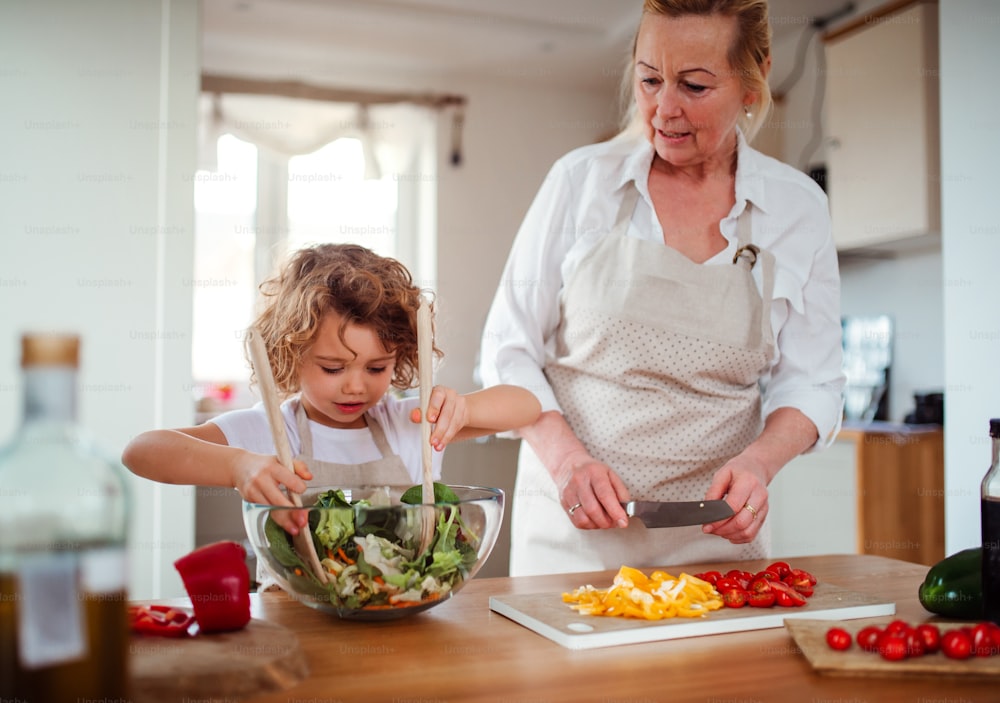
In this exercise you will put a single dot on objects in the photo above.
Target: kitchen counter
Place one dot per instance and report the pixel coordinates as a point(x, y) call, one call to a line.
point(462, 651)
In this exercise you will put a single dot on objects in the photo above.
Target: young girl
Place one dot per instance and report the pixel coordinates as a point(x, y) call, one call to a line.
point(340, 329)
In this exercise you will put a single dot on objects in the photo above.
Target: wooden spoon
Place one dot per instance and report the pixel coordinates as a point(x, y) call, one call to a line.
point(425, 345)
point(262, 367)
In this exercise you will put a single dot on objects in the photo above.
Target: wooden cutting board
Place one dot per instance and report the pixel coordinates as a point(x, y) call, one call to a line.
point(222, 666)
point(549, 616)
point(810, 636)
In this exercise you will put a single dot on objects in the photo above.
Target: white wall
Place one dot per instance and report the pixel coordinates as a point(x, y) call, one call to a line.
point(97, 134)
point(970, 149)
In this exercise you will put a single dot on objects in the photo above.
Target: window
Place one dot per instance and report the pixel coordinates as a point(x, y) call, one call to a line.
point(255, 204)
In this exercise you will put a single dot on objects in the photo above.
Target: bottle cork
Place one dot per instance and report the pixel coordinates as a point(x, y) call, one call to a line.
point(50, 349)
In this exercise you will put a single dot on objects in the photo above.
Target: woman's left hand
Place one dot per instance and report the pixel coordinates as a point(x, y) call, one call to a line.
point(744, 487)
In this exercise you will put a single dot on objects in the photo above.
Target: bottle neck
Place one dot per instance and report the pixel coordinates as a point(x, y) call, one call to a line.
point(996, 451)
point(49, 394)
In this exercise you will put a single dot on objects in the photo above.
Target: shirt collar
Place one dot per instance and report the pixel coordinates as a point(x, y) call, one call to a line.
point(749, 172)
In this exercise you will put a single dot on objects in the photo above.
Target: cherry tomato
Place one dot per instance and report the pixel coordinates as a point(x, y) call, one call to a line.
point(838, 638)
point(892, 647)
point(956, 644)
point(779, 569)
point(760, 585)
point(787, 596)
point(802, 573)
point(734, 597)
point(898, 627)
point(727, 583)
point(982, 641)
point(744, 577)
point(800, 582)
point(766, 575)
point(914, 643)
point(711, 576)
point(931, 636)
point(762, 599)
point(867, 638)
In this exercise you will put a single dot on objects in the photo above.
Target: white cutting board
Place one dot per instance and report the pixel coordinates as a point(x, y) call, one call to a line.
point(549, 616)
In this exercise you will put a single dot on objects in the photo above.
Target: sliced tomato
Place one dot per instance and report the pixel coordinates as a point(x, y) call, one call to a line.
point(800, 582)
point(734, 597)
point(744, 577)
point(786, 596)
point(711, 576)
point(761, 599)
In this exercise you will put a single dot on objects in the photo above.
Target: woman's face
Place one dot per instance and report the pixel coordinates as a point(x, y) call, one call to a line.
point(687, 95)
point(340, 383)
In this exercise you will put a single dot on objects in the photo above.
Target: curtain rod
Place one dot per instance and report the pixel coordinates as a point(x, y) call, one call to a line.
point(213, 83)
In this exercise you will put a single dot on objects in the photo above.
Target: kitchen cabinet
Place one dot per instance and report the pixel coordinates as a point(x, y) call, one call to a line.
point(879, 489)
point(882, 125)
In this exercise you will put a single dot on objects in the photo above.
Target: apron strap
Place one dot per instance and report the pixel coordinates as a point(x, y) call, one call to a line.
point(305, 434)
point(748, 252)
point(625, 210)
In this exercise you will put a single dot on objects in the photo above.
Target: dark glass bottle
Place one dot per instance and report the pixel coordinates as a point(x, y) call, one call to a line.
point(990, 503)
point(63, 608)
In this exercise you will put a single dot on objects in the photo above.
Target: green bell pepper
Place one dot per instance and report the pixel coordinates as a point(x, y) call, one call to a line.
point(953, 587)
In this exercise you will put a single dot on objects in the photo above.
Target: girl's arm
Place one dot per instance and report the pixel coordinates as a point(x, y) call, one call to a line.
point(200, 456)
point(491, 410)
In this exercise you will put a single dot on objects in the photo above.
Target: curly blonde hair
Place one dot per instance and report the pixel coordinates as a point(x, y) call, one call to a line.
point(359, 285)
point(747, 56)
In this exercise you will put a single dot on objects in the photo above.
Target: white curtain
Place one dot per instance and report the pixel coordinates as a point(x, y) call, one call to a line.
point(399, 141)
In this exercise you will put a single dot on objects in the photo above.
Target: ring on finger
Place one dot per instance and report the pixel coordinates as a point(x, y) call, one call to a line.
point(753, 510)
point(574, 508)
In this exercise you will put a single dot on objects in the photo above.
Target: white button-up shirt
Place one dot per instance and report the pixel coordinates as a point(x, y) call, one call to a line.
point(576, 206)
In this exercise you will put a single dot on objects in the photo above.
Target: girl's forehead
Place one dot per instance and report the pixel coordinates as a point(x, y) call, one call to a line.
point(361, 340)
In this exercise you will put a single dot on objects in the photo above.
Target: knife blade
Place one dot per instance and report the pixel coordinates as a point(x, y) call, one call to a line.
point(675, 514)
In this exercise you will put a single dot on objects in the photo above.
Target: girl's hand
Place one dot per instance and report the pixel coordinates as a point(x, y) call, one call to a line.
point(448, 411)
point(259, 479)
point(744, 487)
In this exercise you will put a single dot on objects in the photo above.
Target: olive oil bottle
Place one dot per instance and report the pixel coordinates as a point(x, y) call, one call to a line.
point(63, 519)
point(990, 522)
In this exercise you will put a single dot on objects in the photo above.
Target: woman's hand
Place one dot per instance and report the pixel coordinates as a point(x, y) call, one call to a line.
point(744, 487)
point(258, 478)
point(590, 492)
point(743, 480)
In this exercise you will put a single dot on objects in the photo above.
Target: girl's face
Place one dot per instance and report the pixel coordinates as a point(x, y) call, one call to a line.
point(339, 383)
point(687, 94)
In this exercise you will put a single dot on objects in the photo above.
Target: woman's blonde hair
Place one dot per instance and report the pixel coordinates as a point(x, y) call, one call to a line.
point(359, 285)
point(747, 56)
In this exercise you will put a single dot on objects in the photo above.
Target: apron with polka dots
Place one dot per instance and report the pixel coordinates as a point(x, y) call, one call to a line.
point(656, 369)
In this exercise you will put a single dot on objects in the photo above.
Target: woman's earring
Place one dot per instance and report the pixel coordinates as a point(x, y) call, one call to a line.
point(746, 111)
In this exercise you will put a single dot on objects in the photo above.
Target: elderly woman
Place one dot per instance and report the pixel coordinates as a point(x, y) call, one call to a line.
point(672, 297)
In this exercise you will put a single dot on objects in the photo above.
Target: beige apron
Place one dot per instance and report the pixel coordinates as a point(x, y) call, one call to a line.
point(388, 470)
point(656, 368)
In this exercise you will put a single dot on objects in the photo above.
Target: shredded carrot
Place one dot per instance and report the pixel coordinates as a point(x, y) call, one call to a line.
point(329, 553)
point(379, 580)
point(346, 559)
point(298, 571)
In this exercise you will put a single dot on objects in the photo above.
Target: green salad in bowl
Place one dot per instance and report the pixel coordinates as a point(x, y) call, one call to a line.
point(374, 559)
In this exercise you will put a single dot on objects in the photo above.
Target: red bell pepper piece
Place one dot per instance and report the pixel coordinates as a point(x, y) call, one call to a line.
point(160, 620)
point(218, 584)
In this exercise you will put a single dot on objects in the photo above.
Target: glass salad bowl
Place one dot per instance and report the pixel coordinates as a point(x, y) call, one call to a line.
point(370, 546)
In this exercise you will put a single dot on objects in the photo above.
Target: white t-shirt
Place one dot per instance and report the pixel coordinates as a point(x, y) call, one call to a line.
point(576, 206)
point(249, 429)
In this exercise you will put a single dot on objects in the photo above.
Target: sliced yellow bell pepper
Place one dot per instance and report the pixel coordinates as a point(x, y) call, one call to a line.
point(654, 597)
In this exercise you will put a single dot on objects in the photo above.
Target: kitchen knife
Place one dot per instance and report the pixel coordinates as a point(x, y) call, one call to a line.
point(675, 514)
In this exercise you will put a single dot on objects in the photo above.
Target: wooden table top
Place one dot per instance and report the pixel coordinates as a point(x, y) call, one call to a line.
point(462, 651)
